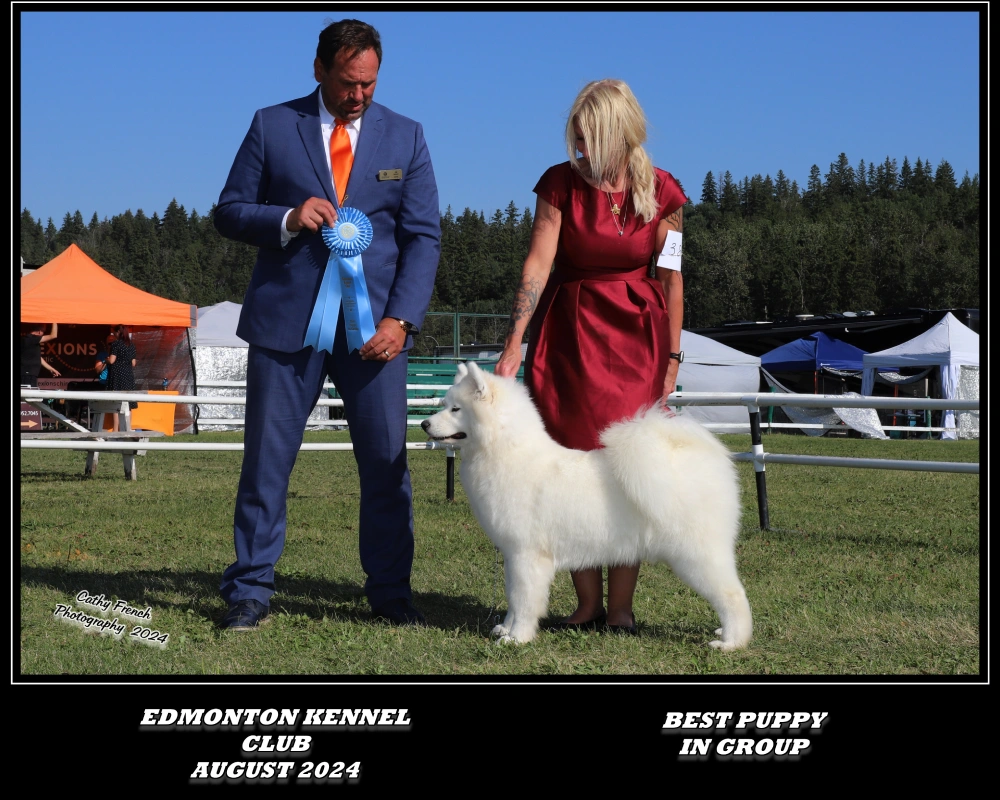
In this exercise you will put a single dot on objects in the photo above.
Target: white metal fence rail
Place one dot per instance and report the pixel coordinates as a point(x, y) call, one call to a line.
point(759, 458)
point(752, 402)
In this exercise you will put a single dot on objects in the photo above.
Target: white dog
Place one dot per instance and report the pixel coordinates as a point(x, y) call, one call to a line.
point(662, 489)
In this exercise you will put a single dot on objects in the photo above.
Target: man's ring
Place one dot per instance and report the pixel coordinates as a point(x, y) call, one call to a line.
point(386, 353)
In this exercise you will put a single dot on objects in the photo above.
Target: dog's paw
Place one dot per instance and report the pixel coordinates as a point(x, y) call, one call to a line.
point(513, 639)
point(726, 645)
point(499, 631)
point(522, 634)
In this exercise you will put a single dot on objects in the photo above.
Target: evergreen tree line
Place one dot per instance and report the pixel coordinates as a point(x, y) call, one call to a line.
point(872, 237)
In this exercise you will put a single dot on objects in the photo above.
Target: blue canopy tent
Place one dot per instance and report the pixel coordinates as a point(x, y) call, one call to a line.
point(815, 352)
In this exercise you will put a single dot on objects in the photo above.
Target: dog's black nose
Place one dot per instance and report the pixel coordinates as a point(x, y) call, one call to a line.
point(425, 424)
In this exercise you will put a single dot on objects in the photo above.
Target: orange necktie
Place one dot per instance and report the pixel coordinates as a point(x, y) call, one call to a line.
point(341, 158)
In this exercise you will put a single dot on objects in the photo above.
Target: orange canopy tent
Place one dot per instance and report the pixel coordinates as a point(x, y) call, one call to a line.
point(73, 289)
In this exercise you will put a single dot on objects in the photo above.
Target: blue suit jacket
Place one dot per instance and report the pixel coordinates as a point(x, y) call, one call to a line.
point(280, 164)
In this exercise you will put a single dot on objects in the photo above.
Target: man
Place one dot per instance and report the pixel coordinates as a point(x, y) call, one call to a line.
point(279, 195)
point(31, 352)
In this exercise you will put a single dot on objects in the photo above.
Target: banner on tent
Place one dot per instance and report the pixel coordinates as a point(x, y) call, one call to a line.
point(968, 389)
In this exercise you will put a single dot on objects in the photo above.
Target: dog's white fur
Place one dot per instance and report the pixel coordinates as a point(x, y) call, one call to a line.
point(662, 489)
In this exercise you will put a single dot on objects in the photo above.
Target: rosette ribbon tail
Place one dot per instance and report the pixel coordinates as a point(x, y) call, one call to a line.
point(358, 319)
point(323, 322)
point(343, 285)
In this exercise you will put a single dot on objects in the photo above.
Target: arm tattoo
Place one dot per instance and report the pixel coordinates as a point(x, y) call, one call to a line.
point(677, 220)
point(525, 301)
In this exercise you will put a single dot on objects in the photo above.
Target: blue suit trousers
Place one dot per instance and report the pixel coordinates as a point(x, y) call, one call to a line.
point(282, 389)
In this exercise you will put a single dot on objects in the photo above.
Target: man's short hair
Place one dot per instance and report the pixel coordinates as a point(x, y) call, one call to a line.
point(353, 34)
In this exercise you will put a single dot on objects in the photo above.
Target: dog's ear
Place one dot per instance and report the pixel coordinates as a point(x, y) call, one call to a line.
point(460, 371)
point(479, 378)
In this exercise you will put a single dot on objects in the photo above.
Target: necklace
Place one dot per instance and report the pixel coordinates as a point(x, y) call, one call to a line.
point(615, 210)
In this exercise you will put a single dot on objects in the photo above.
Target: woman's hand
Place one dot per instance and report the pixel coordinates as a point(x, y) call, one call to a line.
point(670, 381)
point(509, 362)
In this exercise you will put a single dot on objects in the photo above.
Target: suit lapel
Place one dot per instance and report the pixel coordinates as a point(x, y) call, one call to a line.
point(372, 128)
point(312, 140)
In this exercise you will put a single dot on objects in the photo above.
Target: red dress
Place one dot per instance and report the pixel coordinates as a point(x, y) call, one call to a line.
point(599, 348)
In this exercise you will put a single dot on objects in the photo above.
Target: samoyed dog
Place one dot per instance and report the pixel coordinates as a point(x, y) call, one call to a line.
point(663, 488)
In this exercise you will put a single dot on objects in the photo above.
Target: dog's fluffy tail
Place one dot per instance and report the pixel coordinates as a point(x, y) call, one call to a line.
point(661, 460)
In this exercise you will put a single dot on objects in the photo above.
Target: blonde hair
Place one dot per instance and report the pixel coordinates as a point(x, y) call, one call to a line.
point(614, 128)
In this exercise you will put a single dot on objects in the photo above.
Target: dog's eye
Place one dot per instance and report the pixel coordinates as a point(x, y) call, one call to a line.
point(454, 409)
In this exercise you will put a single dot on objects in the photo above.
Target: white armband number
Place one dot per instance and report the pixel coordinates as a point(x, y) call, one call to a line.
point(670, 256)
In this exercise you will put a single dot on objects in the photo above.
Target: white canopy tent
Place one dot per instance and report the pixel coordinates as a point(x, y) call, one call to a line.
point(217, 325)
point(949, 344)
point(710, 366)
point(221, 355)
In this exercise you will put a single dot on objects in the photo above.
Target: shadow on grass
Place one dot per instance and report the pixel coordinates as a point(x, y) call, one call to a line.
point(42, 476)
point(878, 538)
point(313, 598)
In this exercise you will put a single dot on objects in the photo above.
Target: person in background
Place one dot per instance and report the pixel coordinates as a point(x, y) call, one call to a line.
point(605, 337)
point(121, 365)
point(31, 352)
point(101, 364)
point(101, 370)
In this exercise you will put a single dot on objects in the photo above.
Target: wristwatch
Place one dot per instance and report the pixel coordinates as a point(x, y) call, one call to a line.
point(408, 327)
point(679, 356)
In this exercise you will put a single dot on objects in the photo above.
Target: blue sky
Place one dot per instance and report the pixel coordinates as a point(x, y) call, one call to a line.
point(127, 110)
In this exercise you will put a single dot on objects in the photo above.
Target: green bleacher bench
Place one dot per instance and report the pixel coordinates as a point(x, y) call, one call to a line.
point(433, 381)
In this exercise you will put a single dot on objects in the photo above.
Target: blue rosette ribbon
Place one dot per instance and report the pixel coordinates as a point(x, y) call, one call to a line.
point(343, 284)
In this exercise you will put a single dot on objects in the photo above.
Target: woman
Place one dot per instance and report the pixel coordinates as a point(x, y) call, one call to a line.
point(605, 338)
point(101, 364)
point(121, 365)
point(32, 362)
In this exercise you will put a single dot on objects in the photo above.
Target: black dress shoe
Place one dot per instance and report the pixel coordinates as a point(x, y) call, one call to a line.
point(589, 625)
point(624, 630)
point(244, 615)
point(398, 612)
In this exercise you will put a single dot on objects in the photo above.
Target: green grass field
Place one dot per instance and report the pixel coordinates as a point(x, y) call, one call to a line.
point(863, 573)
